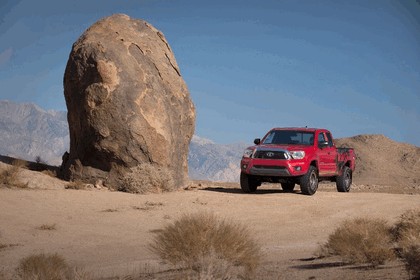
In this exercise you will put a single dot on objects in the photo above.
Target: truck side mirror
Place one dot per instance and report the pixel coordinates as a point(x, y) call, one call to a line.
point(257, 141)
point(323, 144)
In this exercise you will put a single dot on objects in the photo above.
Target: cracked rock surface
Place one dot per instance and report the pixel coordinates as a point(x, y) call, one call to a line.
point(127, 103)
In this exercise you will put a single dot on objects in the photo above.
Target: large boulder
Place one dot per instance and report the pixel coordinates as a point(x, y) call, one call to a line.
point(127, 103)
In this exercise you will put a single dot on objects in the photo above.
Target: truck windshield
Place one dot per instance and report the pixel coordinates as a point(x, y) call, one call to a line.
point(289, 137)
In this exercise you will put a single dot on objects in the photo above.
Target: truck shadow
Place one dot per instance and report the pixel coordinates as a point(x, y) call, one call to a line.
point(239, 191)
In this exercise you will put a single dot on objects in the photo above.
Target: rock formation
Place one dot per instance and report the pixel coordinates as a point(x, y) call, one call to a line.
point(127, 103)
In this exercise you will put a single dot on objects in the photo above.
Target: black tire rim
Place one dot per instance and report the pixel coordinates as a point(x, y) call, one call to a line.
point(313, 181)
point(347, 180)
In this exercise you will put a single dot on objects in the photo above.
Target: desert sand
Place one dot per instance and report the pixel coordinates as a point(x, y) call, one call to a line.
point(107, 233)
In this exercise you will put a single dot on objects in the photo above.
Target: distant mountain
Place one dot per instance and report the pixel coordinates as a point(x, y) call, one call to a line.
point(27, 132)
point(214, 162)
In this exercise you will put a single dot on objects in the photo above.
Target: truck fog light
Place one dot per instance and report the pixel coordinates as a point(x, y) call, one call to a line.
point(298, 168)
point(244, 166)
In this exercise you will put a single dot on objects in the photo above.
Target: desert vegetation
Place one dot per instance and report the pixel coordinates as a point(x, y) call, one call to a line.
point(406, 234)
point(208, 246)
point(361, 241)
point(48, 267)
point(9, 175)
point(373, 242)
point(47, 227)
point(148, 178)
point(76, 185)
point(50, 173)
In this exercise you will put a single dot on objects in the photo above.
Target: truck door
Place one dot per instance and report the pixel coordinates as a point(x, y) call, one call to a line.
point(327, 155)
point(332, 154)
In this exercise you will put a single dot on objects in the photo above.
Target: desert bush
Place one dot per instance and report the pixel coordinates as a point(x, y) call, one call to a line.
point(20, 163)
point(47, 227)
point(407, 227)
point(48, 267)
point(148, 178)
point(206, 244)
point(361, 241)
point(406, 234)
point(50, 173)
point(9, 175)
point(76, 185)
point(38, 160)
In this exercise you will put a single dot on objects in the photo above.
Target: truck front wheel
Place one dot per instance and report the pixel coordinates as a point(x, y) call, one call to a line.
point(248, 183)
point(309, 181)
point(343, 181)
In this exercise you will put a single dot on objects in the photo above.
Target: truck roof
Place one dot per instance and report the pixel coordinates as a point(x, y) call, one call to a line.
point(298, 128)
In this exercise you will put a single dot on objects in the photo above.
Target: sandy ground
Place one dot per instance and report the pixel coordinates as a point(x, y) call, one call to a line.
point(107, 233)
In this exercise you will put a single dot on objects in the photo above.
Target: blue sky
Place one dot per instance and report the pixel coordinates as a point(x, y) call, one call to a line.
point(350, 66)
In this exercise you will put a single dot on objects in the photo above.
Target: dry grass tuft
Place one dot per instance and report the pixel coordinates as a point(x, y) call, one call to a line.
point(9, 176)
point(148, 178)
point(406, 233)
point(50, 173)
point(361, 241)
point(206, 244)
point(76, 185)
point(407, 227)
point(48, 267)
point(110, 210)
point(149, 205)
point(20, 163)
point(47, 227)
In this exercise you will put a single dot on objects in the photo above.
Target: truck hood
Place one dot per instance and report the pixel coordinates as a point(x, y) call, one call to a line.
point(283, 147)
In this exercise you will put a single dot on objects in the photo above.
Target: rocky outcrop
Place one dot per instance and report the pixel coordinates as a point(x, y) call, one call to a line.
point(127, 103)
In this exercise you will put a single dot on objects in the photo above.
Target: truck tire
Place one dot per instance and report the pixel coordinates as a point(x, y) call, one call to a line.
point(343, 181)
point(248, 183)
point(288, 187)
point(309, 181)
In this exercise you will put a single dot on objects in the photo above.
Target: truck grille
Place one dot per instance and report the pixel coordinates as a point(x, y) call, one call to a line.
point(268, 167)
point(270, 154)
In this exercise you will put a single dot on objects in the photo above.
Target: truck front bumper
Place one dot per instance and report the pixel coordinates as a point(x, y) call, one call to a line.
point(273, 168)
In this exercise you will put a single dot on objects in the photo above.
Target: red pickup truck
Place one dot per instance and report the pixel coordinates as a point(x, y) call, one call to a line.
point(293, 156)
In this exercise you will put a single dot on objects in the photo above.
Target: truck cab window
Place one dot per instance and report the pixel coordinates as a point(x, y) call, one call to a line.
point(330, 141)
point(321, 137)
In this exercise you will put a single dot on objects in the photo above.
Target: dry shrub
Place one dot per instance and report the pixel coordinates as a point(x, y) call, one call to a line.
point(9, 176)
point(48, 267)
point(148, 178)
point(207, 245)
point(76, 185)
point(20, 163)
point(407, 227)
point(361, 241)
point(406, 233)
point(50, 173)
point(47, 227)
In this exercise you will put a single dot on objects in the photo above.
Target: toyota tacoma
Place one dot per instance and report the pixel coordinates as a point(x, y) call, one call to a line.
point(303, 156)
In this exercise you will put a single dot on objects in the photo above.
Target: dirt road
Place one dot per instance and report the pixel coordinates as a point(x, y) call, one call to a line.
point(108, 232)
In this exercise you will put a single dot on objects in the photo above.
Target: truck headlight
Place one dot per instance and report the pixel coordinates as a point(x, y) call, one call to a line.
point(297, 154)
point(248, 153)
